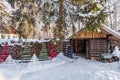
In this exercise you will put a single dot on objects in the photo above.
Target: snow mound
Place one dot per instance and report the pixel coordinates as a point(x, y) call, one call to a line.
point(34, 60)
point(9, 60)
point(36, 65)
point(62, 69)
point(61, 57)
point(116, 52)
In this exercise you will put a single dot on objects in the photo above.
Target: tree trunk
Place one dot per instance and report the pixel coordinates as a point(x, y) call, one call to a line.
point(20, 37)
point(73, 26)
point(115, 16)
point(111, 23)
point(61, 26)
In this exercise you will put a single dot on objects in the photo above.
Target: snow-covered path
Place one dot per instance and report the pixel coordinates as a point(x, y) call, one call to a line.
point(63, 69)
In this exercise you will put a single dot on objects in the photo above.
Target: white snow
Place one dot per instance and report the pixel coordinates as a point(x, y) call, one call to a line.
point(9, 60)
point(7, 5)
point(107, 56)
point(33, 60)
point(111, 31)
point(116, 52)
point(24, 40)
point(61, 68)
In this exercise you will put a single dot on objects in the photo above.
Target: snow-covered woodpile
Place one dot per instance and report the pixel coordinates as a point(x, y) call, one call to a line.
point(52, 49)
point(4, 52)
point(1, 47)
point(16, 51)
point(25, 49)
point(35, 48)
point(66, 48)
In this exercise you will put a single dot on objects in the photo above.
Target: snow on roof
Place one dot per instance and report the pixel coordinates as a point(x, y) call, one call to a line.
point(114, 33)
point(107, 29)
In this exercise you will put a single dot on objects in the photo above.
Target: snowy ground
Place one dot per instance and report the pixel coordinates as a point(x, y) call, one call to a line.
point(61, 68)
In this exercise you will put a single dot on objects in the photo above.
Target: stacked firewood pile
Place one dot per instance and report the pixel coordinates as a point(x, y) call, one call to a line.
point(51, 50)
point(25, 50)
point(112, 47)
point(48, 47)
point(4, 52)
point(66, 49)
point(113, 59)
point(35, 48)
point(1, 47)
point(16, 51)
point(43, 53)
point(26, 53)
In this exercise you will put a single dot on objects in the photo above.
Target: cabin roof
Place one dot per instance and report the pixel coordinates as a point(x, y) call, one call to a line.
point(115, 35)
point(112, 32)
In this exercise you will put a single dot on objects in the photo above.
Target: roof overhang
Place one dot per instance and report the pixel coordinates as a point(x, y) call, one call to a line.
point(113, 34)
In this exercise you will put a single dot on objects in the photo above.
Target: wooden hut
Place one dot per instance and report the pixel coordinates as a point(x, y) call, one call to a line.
point(91, 44)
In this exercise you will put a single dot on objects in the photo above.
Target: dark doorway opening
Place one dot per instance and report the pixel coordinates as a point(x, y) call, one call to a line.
point(79, 47)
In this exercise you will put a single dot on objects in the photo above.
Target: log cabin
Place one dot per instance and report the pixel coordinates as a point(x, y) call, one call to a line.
point(91, 45)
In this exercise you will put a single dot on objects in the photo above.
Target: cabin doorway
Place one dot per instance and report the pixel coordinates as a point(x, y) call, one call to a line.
point(79, 47)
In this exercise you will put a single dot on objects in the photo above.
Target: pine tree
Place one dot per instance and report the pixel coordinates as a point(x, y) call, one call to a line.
point(90, 13)
point(3, 16)
point(23, 21)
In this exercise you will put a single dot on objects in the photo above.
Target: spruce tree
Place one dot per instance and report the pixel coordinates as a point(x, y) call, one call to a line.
point(4, 17)
point(90, 13)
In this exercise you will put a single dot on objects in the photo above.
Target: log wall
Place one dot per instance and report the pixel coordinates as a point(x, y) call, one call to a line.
point(97, 47)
